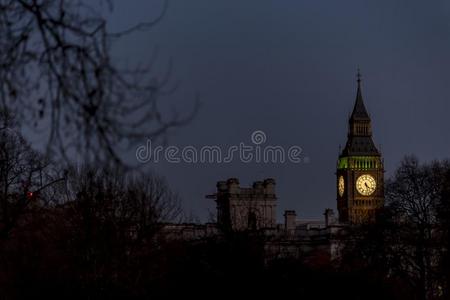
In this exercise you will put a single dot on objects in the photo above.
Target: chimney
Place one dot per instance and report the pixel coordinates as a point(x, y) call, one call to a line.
point(289, 221)
point(329, 217)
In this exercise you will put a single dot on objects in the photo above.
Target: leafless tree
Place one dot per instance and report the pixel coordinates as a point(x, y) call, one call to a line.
point(112, 219)
point(443, 216)
point(414, 195)
point(406, 242)
point(129, 195)
point(57, 74)
point(24, 176)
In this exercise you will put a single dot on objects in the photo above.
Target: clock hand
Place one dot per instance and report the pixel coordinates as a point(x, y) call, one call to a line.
point(365, 183)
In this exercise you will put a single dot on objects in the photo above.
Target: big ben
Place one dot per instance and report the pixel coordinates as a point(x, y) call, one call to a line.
point(360, 171)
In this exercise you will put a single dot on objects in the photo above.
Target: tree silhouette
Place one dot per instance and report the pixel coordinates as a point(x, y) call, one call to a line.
point(58, 76)
point(99, 239)
point(24, 176)
point(408, 242)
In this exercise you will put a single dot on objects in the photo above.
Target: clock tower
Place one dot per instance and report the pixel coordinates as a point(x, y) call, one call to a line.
point(360, 171)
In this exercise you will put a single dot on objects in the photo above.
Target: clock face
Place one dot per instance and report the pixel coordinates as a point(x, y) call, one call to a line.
point(341, 186)
point(366, 185)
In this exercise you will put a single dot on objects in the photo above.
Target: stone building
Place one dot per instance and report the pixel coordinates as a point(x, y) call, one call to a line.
point(241, 208)
point(253, 210)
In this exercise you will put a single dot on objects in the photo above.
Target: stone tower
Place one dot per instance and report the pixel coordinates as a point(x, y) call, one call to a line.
point(360, 171)
point(241, 209)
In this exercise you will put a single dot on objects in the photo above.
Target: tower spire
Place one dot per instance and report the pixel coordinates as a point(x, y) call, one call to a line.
point(359, 110)
point(358, 76)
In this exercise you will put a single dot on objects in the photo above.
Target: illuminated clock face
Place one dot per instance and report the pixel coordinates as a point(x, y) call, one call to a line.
point(366, 185)
point(341, 186)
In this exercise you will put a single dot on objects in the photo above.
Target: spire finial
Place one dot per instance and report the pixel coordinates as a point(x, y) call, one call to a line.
point(359, 110)
point(358, 76)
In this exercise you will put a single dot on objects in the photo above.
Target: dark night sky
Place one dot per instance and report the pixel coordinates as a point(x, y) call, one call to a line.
point(288, 68)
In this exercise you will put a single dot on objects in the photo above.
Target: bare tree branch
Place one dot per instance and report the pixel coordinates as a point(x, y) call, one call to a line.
point(57, 74)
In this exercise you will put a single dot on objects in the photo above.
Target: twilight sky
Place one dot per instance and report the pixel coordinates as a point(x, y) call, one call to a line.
point(288, 68)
